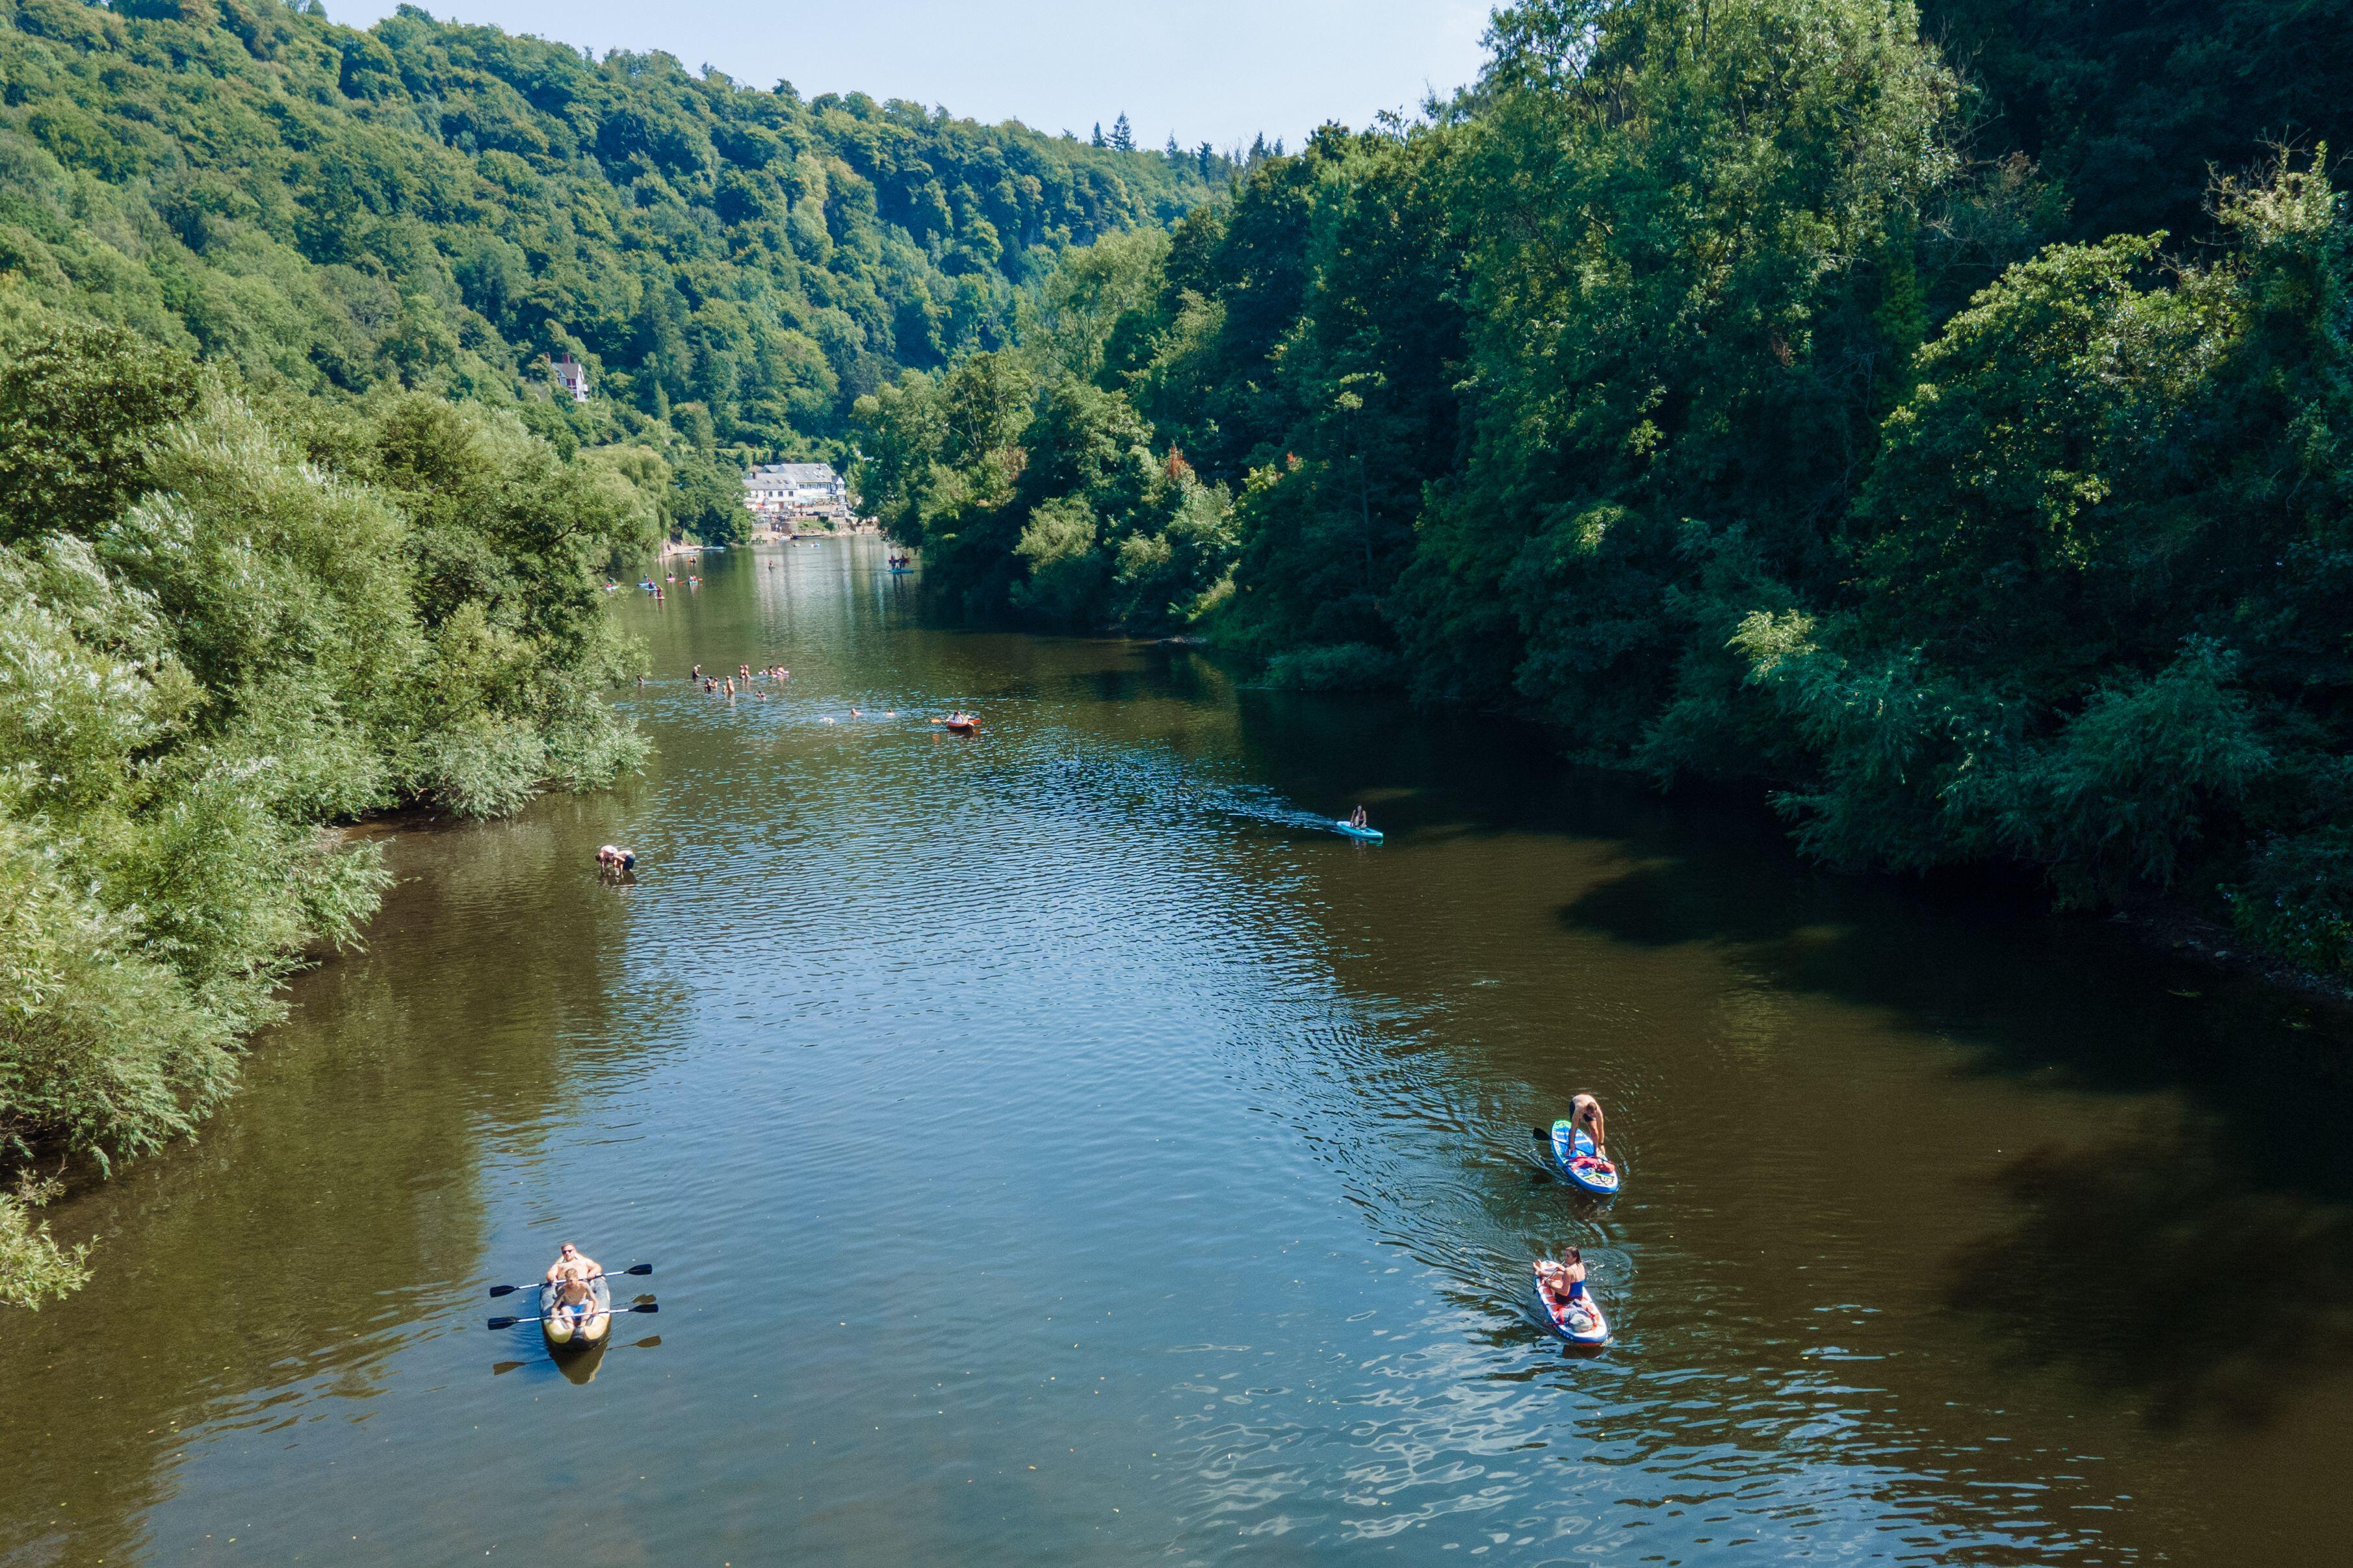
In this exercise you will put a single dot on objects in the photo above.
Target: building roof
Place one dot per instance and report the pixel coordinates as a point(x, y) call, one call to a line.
point(795, 474)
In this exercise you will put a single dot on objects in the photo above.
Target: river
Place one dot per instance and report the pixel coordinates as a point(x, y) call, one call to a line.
point(1053, 1149)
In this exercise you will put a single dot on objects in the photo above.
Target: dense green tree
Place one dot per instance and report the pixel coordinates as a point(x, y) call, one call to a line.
point(1706, 380)
point(2134, 104)
point(226, 624)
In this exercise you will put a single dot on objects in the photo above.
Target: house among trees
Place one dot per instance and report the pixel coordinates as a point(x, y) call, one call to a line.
point(794, 490)
point(571, 375)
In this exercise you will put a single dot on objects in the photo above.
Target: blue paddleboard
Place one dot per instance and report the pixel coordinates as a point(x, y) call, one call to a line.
point(1572, 1155)
point(1370, 835)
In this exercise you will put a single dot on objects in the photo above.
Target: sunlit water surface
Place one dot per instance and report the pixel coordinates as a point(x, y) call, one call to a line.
point(1054, 1149)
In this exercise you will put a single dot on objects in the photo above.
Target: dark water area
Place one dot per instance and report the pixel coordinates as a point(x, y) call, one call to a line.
point(1055, 1148)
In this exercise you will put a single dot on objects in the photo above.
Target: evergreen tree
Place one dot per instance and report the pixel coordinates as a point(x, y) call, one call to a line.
point(1123, 139)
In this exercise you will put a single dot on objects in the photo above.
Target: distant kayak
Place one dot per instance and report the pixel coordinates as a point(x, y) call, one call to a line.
point(1581, 1323)
point(1370, 835)
point(1573, 1157)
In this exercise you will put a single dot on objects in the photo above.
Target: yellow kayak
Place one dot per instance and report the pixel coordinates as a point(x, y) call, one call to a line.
point(568, 1328)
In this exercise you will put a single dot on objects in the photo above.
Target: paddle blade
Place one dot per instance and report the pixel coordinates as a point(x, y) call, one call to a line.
point(1541, 1136)
point(639, 1268)
point(648, 1307)
point(504, 1289)
point(503, 1323)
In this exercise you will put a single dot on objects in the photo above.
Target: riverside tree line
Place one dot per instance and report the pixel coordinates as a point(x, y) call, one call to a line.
point(291, 529)
point(1937, 415)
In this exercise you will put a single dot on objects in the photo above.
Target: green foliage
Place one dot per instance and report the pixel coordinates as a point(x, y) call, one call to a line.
point(1344, 667)
point(254, 622)
point(1162, 374)
point(440, 206)
point(2134, 106)
point(1686, 384)
point(1040, 495)
point(33, 1266)
point(75, 406)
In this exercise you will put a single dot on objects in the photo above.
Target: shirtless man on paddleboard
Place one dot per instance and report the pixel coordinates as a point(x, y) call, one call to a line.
point(1586, 1111)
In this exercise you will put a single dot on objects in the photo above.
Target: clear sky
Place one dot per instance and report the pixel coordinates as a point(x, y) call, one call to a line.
point(1209, 70)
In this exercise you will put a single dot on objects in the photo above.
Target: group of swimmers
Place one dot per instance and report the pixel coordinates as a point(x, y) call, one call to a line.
point(1561, 1282)
point(755, 681)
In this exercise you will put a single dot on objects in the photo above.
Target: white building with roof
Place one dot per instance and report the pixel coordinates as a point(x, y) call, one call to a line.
point(571, 375)
point(794, 490)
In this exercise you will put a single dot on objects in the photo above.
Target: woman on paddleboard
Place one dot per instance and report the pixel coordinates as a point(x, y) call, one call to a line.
point(1562, 1283)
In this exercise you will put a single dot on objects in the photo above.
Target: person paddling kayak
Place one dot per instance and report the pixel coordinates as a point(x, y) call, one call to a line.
point(570, 1273)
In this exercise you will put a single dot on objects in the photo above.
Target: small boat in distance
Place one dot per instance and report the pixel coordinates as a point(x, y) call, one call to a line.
point(1368, 834)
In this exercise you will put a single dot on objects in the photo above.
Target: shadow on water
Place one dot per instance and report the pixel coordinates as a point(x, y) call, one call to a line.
point(2150, 1266)
point(2202, 1264)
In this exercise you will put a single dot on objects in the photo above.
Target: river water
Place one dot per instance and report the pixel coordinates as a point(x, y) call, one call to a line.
point(1054, 1149)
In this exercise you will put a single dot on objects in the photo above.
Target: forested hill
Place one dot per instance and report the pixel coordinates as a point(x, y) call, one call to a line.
point(445, 206)
point(1937, 416)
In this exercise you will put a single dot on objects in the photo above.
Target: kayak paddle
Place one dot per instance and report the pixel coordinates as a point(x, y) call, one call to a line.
point(610, 1273)
point(614, 1312)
